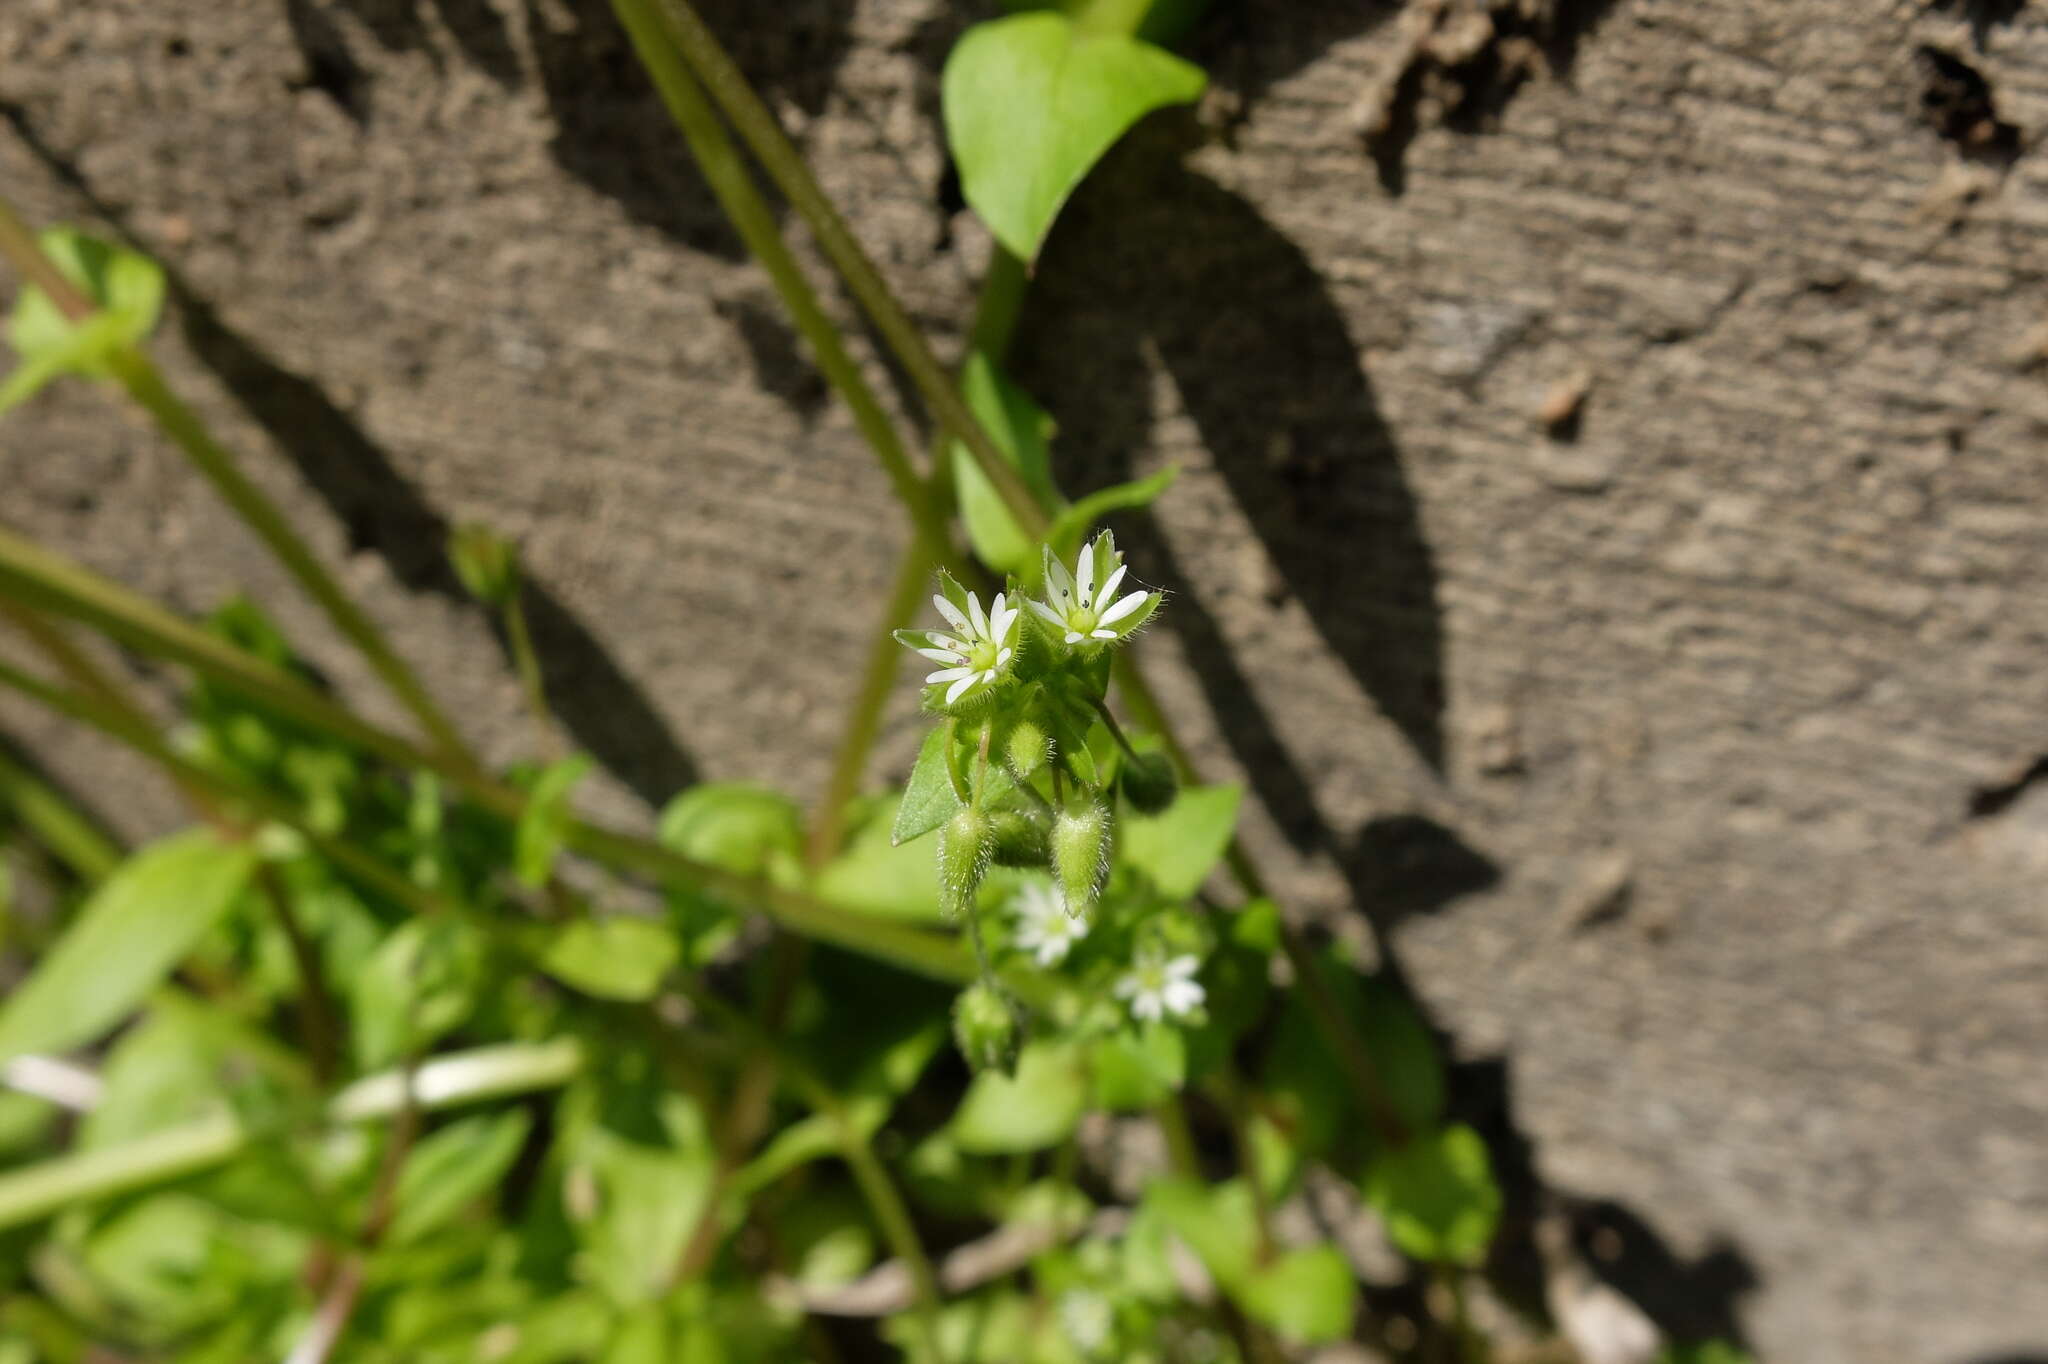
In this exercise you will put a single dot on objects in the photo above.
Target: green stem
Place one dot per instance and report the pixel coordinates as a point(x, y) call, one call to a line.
point(883, 1198)
point(448, 1081)
point(758, 128)
point(18, 243)
point(864, 716)
point(318, 1017)
point(146, 386)
point(527, 663)
point(65, 831)
point(726, 173)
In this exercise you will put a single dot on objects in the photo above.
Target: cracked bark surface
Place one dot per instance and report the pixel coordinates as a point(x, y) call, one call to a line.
point(1759, 633)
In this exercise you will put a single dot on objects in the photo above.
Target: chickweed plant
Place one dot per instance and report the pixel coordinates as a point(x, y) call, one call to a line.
point(390, 1056)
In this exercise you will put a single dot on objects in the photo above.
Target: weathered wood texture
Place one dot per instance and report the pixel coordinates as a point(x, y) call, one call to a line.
point(1652, 744)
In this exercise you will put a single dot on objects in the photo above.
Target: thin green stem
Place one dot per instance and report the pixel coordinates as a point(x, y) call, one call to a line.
point(147, 387)
point(318, 1017)
point(883, 1198)
point(527, 663)
point(65, 831)
point(758, 128)
point(726, 173)
point(864, 715)
point(19, 245)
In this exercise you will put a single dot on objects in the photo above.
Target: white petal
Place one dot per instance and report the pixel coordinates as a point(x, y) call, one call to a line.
point(946, 675)
point(980, 620)
point(1058, 581)
point(1147, 1007)
point(1073, 638)
point(1182, 967)
point(1084, 573)
point(1004, 657)
point(953, 692)
point(950, 611)
point(944, 655)
point(1123, 608)
point(1183, 996)
point(1005, 624)
point(1126, 986)
point(1103, 634)
point(1045, 613)
point(1108, 588)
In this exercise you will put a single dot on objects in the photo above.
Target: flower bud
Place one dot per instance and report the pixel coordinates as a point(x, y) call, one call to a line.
point(486, 562)
point(1080, 855)
point(963, 857)
point(1017, 840)
point(1026, 747)
point(1148, 782)
point(985, 1029)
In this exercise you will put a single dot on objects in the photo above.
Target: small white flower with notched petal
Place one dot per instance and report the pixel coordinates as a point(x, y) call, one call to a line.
point(1088, 1319)
point(1082, 606)
point(976, 652)
point(1044, 928)
point(1158, 986)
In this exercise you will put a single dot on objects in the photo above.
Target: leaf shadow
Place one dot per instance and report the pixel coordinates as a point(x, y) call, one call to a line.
point(605, 711)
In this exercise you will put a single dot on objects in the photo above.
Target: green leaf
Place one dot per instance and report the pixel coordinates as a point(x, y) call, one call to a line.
point(452, 1169)
point(421, 984)
point(634, 1204)
point(1308, 1295)
point(1179, 848)
point(615, 958)
point(1132, 1070)
point(879, 877)
point(1033, 101)
point(545, 822)
point(1705, 1352)
point(929, 799)
point(126, 939)
point(1438, 1196)
point(738, 826)
point(1219, 1223)
point(1020, 428)
point(1072, 525)
point(1033, 1109)
point(641, 1338)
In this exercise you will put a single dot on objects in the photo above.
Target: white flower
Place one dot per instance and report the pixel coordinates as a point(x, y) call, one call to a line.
point(1157, 986)
point(1083, 606)
point(1087, 1318)
point(978, 650)
point(1044, 928)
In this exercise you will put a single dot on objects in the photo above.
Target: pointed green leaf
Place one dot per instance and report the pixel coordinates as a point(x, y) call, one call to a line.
point(1071, 526)
point(139, 925)
point(1020, 428)
point(928, 799)
point(1033, 101)
point(453, 1168)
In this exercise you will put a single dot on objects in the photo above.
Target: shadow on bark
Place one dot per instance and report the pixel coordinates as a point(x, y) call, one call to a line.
point(603, 709)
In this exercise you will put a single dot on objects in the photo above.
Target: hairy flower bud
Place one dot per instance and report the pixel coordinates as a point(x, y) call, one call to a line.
point(1017, 840)
point(964, 847)
point(985, 1028)
point(1148, 782)
point(1026, 747)
point(1080, 854)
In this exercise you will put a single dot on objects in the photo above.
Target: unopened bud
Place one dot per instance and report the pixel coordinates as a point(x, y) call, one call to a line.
point(1027, 748)
point(1148, 782)
point(1017, 840)
point(486, 562)
point(1080, 855)
point(985, 1029)
point(963, 856)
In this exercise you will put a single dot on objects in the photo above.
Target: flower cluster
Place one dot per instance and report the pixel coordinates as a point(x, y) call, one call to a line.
point(1079, 614)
